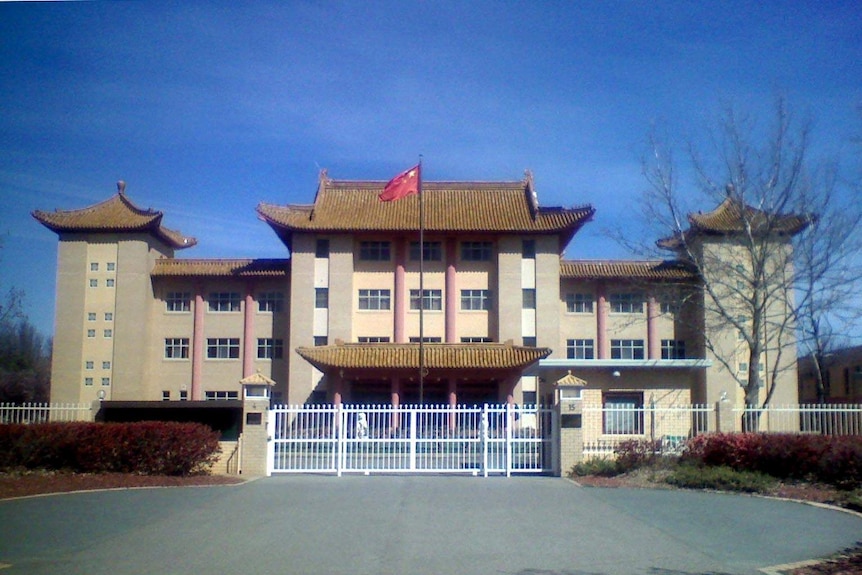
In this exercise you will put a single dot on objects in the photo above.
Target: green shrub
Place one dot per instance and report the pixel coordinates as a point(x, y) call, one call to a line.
point(720, 478)
point(599, 466)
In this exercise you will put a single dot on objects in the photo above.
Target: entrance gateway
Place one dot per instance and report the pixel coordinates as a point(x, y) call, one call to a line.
point(478, 440)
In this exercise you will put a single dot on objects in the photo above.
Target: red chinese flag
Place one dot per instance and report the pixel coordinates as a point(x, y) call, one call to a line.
point(402, 185)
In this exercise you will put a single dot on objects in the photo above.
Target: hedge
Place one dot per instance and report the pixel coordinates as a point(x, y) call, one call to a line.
point(145, 448)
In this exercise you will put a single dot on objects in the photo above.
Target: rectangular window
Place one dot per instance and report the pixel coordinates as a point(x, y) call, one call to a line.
point(224, 301)
point(166, 395)
point(184, 395)
point(321, 298)
point(627, 349)
point(530, 398)
point(91, 316)
point(626, 303)
point(109, 316)
point(740, 335)
point(623, 413)
point(223, 348)
point(672, 349)
point(528, 249)
point(373, 339)
point(321, 249)
point(111, 266)
point(476, 339)
point(475, 299)
point(528, 298)
point(668, 305)
point(88, 381)
point(109, 282)
point(106, 381)
point(108, 333)
point(433, 251)
point(178, 301)
point(427, 339)
point(88, 365)
point(374, 299)
point(321, 340)
point(476, 251)
point(374, 251)
point(269, 348)
point(580, 349)
point(742, 367)
point(221, 395)
point(433, 299)
point(529, 341)
point(106, 365)
point(176, 348)
point(91, 333)
point(579, 302)
point(270, 301)
point(94, 266)
point(94, 283)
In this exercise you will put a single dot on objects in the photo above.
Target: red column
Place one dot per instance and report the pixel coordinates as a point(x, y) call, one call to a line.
point(453, 403)
point(400, 299)
point(601, 322)
point(248, 334)
point(653, 342)
point(396, 402)
point(198, 345)
point(451, 298)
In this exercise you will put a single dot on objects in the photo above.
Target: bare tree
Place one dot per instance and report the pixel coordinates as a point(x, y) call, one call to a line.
point(776, 253)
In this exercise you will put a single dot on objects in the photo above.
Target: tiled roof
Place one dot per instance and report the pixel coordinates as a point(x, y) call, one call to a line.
point(176, 267)
point(447, 206)
point(437, 355)
point(611, 269)
point(732, 216)
point(116, 214)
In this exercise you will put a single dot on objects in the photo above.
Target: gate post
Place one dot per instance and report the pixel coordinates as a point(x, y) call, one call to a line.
point(569, 434)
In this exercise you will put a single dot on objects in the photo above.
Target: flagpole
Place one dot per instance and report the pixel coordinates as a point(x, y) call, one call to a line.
point(421, 291)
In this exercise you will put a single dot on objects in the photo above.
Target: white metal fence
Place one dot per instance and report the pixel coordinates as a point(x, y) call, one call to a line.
point(45, 412)
point(489, 439)
point(824, 419)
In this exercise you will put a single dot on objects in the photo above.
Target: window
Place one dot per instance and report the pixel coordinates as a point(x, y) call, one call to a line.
point(742, 367)
point(374, 299)
point(94, 283)
point(579, 302)
point(374, 251)
point(672, 349)
point(373, 339)
point(111, 266)
point(476, 251)
point(223, 348)
point(184, 395)
point(528, 298)
point(109, 316)
point(529, 341)
point(270, 301)
point(221, 395)
point(166, 395)
point(580, 349)
point(530, 398)
point(426, 339)
point(88, 365)
point(321, 249)
point(627, 349)
point(475, 299)
point(321, 298)
point(476, 339)
point(94, 266)
point(88, 381)
point(528, 249)
point(321, 340)
point(740, 335)
point(224, 301)
point(178, 301)
point(433, 299)
point(91, 316)
point(432, 252)
point(669, 305)
point(176, 348)
point(106, 365)
point(91, 333)
point(109, 282)
point(269, 348)
point(106, 381)
point(626, 303)
point(108, 333)
point(623, 413)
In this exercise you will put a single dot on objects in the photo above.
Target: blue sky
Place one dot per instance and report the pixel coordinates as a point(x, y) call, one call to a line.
point(207, 108)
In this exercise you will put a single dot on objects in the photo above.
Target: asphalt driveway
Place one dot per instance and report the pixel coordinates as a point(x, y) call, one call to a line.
point(394, 525)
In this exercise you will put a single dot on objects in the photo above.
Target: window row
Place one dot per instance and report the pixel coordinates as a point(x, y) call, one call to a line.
point(106, 333)
point(109, 266)
point(110, 282)
point(381, 299)
point(176, 301)
point(624, 349)
point(618, 303)
point(431, 251)
point(386, 339)
point(90, 365)
point(88, 381)
point(224, 348)
point(91, 316)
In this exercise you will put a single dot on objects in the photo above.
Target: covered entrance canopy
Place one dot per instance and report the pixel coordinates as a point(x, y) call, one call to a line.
point(454, 373)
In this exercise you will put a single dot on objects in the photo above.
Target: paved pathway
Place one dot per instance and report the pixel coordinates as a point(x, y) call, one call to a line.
point(395, 525)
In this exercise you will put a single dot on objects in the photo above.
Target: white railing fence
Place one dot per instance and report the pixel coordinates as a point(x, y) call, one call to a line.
point(489, 439)
point(824, 419)
point(45, 412)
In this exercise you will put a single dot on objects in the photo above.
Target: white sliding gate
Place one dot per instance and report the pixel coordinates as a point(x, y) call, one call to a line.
point(489, 439)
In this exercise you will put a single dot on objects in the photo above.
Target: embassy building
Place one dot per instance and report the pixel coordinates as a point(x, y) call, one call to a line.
point(506, 318)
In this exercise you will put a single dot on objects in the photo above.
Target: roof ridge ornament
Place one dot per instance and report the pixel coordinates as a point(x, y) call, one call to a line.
point(531, 192)
point(121, 187)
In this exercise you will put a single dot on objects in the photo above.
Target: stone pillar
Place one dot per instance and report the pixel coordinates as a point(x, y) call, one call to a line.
point(570, 435)
point(724, 420)
point(256, 430)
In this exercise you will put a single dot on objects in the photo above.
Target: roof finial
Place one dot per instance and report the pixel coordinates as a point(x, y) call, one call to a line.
point(728, 189)
point(121, 187)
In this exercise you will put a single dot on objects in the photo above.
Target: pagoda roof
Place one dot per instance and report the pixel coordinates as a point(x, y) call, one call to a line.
point(733, 216)
point(117, 214)
point(436, 356)
point(181, 267)
point(475, 207)
point(625, 269)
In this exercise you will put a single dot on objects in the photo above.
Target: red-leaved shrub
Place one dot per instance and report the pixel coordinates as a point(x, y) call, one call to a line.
point(147, 448)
